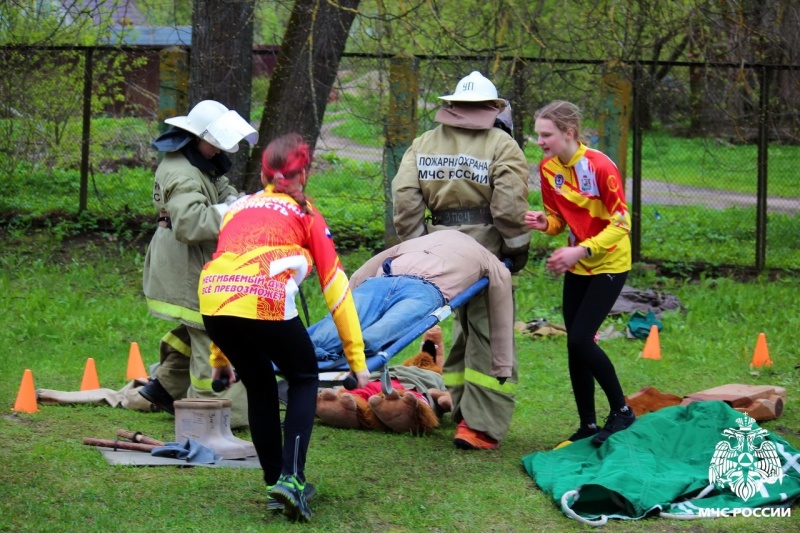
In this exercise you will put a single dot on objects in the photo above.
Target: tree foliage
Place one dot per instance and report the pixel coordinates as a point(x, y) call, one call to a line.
point(69, 22)
point(517, 43)
point(42, 89)
point(647, 33)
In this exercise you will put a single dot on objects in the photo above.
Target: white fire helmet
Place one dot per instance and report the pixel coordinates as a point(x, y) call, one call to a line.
point(475, 88)
point(217, 125)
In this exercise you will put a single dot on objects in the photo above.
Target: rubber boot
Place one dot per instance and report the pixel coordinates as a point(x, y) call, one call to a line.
point(248, 446)
point(200, 419)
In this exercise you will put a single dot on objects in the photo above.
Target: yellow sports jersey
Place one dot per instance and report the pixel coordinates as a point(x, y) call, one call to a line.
point(267, 245)
point(587, 196)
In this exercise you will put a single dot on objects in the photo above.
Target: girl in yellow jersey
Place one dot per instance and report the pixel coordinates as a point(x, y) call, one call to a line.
point(267, 245)
point(582, 192)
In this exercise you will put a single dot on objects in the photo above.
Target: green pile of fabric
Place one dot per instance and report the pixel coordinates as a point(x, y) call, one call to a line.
point(700, 460)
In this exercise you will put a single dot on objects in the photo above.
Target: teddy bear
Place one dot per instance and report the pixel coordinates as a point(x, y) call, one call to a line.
point(415, 405)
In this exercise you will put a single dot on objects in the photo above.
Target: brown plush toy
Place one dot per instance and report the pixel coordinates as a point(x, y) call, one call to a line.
point(342, 409)
point(400, 411)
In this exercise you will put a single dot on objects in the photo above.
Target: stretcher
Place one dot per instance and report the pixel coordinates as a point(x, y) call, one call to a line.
point(337, 372)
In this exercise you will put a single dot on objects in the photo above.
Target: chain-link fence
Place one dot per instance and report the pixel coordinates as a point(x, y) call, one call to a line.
point(709, 164)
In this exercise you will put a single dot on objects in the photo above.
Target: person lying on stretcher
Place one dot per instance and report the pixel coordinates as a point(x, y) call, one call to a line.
point(400, 286)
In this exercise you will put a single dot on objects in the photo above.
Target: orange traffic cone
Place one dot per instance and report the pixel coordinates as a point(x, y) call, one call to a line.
point(761, 354)
point(90, 381)
point(652, 346)
point(135, 364)
point(26, 397)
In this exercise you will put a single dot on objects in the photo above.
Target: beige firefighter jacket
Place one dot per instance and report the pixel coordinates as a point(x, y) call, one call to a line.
point(450, 168)
point(454, 261)
point(176, 255)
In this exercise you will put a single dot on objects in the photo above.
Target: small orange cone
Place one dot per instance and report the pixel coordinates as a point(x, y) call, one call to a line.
point(652, 346)
point(761, 354)
point(135, 364)
point(26, 398)
point(90, 381)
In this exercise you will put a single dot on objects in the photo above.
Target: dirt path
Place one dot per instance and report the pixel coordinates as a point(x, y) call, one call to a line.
point(665, 193)
point(659, 192)
point(653, 192)
point(328, 142)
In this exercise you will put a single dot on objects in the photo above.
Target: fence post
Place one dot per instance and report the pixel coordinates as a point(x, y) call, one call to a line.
point(401, 128)
point(635, 209)
point(86, 134)
point(763, 148)
point(173, 90)
point(517, 98)
point(615, 115)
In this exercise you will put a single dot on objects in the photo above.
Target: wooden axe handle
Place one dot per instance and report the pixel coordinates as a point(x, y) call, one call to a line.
point(119, 444)
point(138, 437)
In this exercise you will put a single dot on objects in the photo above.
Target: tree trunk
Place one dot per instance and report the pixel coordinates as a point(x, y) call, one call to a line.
point(221, 62)
point(305, 71)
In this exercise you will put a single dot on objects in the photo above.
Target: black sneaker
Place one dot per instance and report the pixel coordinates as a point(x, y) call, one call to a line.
point(274, 505)
point(156, 394)
point(291, 493)
point(584, 432)
point(616, 421)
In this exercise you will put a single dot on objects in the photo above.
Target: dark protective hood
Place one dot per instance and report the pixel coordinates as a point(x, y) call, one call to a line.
point(177, 139)
point(172, 140)
point(216, 166)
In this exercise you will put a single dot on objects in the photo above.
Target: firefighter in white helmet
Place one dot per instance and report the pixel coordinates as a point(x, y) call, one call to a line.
point(190, 193)
point(473, 178)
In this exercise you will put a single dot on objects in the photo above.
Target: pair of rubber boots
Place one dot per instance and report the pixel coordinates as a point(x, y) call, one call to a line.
point(207, 422)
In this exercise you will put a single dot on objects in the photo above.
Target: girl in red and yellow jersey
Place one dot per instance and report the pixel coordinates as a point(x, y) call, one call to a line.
point(268, 243)
point(582, 191)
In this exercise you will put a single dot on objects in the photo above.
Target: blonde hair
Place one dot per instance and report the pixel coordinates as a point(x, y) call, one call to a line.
point(565, 115)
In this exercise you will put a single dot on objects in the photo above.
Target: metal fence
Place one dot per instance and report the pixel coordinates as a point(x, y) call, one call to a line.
point(709, 163)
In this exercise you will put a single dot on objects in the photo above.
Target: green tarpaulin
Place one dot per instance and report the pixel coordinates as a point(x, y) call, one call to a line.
point(663, 464)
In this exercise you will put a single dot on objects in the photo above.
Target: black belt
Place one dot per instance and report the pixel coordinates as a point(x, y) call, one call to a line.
point(462, 217)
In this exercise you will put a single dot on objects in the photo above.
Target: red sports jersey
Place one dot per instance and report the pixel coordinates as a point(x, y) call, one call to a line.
point(267, 246)
point(587, 196)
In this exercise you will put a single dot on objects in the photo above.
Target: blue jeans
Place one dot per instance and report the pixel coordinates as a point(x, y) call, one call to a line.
point(387, 307)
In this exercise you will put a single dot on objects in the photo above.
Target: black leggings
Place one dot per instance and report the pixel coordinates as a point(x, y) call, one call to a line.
point(252, 346)
point(586, 302)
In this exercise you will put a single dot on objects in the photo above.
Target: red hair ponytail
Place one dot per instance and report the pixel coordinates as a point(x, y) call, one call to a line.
point(283, 161)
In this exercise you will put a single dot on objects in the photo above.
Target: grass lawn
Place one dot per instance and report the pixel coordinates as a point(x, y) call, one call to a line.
point(67, 301)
